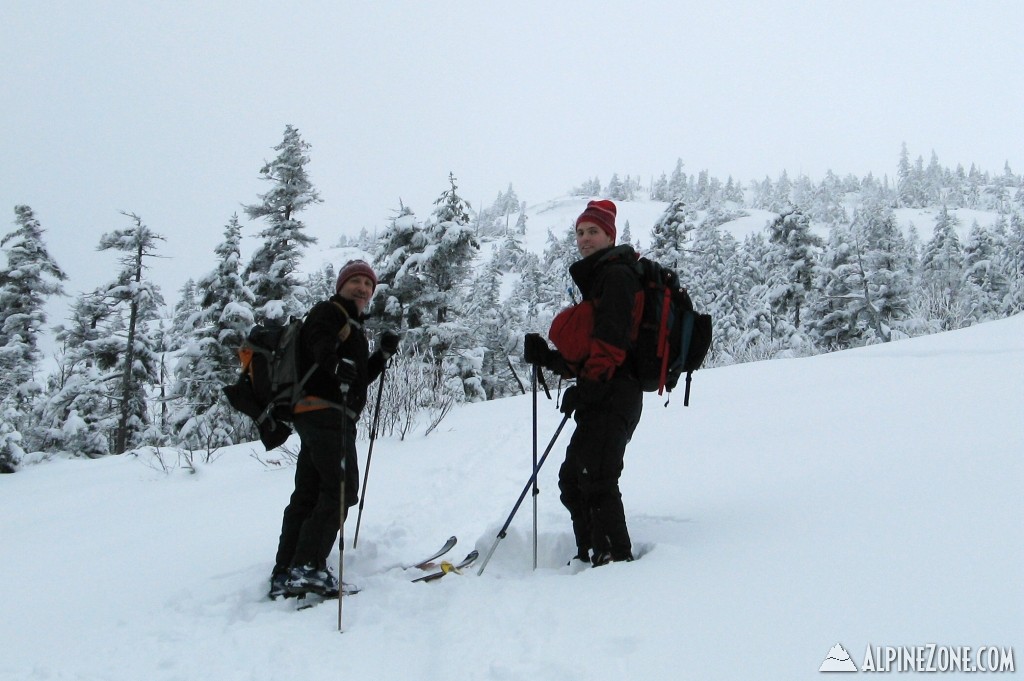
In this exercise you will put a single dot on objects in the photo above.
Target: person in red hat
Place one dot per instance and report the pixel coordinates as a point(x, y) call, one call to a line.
point(325, 418)
point(594, 345)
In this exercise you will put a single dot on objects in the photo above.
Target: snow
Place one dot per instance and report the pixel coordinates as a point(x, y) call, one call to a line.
point(868, 497)
point(923, 219)
point(559, 216)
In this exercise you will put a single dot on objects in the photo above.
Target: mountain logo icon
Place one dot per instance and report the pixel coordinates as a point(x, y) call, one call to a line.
point(838, 660)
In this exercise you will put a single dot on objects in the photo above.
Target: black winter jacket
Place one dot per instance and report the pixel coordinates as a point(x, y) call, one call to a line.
point(609, 279)
point(319, 342)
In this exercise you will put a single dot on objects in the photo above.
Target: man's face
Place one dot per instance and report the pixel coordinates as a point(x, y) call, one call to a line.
point(358, 289)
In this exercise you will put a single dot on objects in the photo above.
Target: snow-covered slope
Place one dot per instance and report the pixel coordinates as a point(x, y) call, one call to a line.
point(869, 497)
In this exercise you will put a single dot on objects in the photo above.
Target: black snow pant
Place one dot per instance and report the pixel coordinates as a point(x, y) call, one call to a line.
point(589, 477)
point(310, 524)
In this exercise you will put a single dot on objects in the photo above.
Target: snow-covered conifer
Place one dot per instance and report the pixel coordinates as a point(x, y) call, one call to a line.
point(397, 249)
point(985, 279)
point(137, 362)
point(670, 235)
point(942, 273)
point(11, 451)
point(832, 325)
point(209, 359)
point(794, 257)
point(29, 278)
point(677, 183)
point(271, 274)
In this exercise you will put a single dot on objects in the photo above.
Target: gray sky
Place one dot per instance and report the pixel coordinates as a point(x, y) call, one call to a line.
point(169, 109)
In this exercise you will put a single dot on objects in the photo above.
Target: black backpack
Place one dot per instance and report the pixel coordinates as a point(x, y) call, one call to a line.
point(269, 384)
point(673, 338)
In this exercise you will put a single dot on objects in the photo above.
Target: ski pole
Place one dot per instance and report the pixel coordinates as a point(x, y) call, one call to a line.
point(532, 480)
point(341, 498)
point(369, 454)
point(536, 489)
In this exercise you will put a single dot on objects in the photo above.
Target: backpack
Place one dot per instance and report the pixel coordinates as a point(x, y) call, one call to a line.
point(672, 338)
point(669, 337)
point(269, 384)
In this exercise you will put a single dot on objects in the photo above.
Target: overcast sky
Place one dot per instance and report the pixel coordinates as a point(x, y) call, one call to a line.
point(169, 109)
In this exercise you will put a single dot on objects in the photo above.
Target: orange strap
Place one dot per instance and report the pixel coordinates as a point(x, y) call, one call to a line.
point(313, 404)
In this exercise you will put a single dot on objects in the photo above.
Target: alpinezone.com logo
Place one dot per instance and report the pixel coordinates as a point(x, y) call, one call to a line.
point(927, 658)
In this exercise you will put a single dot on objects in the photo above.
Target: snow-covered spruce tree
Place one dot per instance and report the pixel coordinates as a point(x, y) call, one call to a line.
point(536, 297)
point(421, 269)
point(678, 184)
point(985, 277)
point(397, 286)
point(782, 199)
point(271, 274)
point(591, 187)
point(493, 337)
point(209, 360)
point(186, 307)
point(167, 344)
point(79, 415)
point(559, 255)
point(709, 191)
point(910, 183)
point(509, 253)
point(29, 278)
point(671, 234)
point(942, 264)
point(762, 193)
point(794, 257)
point(1014, 301)
point(627, 234)
point(873, 191)
point(520, 227)
point(659, 189)
point(832, 326)
point(827, 201)
point(137, 360)
point(711, 274)
point(933, 182)
point(733, 192)
point(11, 452)
point(445, 266)
point(496, 220)
point(762, 331)
point(883, 271)
point(956, 192)
point(618, 190)
point(514, 317)
point(802, 194)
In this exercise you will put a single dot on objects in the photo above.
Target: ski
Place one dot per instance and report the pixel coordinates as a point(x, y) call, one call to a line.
point(312, 599)
point(426, 562)
point(447, 568)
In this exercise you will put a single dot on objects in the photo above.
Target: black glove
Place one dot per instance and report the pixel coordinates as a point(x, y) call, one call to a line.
point(536, 350)
point(570, 400)
point(346, 371)
point(389, 343)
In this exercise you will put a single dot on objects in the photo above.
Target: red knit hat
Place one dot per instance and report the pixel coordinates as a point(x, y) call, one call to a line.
point(353, 268)
point(602, 214)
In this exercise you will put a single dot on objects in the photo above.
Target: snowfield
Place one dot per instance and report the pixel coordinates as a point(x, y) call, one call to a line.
point(871, 497)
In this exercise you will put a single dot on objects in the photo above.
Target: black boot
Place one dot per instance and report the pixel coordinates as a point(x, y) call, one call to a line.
point(605, 557)
point(582, 555)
